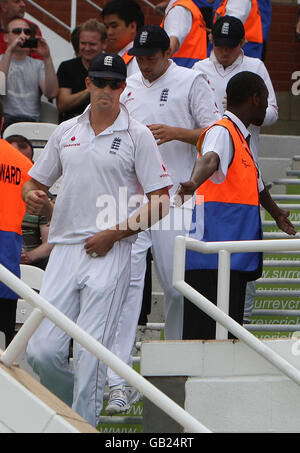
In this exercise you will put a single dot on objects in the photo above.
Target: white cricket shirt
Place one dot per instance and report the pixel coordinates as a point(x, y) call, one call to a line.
point(179, 99)
point(178, 21)
point(218, 77)
point(101, 174)
point(239, 9)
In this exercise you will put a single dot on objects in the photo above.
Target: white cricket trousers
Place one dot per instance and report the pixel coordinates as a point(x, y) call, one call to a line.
point(161, 238)
point(90, 291)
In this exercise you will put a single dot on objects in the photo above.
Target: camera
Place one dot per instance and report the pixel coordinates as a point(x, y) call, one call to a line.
point(30, 43)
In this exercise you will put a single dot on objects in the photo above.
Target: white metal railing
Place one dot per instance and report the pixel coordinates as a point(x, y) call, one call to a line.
point(220, 312)
point(42, 308)
point(73, 12)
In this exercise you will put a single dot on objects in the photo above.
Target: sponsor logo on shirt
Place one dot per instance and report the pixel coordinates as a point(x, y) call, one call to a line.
point(115, 145)
point(165, 174)
point(67, 145)
point(129, 98)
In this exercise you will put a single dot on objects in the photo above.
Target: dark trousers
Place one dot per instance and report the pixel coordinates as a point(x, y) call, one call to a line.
point(147, 294)
point(196, 324)
point(8, 310)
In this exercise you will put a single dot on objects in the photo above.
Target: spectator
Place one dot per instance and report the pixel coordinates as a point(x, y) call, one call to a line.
point(176, 104)
point(75, 40)
point(35, 228)
point(73, 96)
point(15, 8)
point(231, 190)
point(88, 273)
point(186, 27)
point(26, 77)
point(13, 174)
point(123, 19)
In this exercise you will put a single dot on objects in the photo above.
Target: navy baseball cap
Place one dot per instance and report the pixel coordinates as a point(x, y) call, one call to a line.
point(108, 65)
point(149, 40)
point(228, 31)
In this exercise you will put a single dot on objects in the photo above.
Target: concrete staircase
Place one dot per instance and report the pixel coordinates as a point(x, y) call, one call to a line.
point(277, 303)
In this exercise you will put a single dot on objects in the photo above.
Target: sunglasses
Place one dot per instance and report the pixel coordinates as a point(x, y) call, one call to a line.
point(18, 31)
point(114, 84)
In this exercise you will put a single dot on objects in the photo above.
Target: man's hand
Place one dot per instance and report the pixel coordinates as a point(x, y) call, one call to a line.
point(36, 201)
point(24, 257)
point(16, 43)
point(42, 48)
point(162, 133)
point(184, 192)
point(101, 243)
point(284, 223)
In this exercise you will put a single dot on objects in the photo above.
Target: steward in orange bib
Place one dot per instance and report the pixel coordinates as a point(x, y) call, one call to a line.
point(226, 176)
point(194, 46)
point(14, 167)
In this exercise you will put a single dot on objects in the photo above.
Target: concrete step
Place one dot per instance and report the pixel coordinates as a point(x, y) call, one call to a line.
point(273, 312)
point(287, 197)
point(293, 172)
point(287, 181)
point(272, 223)
point(272, 327)
point(279, 235)
point(278, 281)
point(294, 206)
point(277, 293)
point(120, 419)
point(281, 263)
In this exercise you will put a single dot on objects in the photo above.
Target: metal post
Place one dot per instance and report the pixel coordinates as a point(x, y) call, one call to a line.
point(73, 14)
point(179, 259)
point(223, 291)
point(19, 343)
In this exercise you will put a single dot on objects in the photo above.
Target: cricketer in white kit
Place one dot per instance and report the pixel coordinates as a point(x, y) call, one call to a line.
point(105, 157)
point(162, 94)
point(227, 59)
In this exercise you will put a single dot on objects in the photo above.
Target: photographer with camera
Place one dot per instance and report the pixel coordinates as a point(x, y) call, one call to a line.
point(8, 10)
point(26, 78)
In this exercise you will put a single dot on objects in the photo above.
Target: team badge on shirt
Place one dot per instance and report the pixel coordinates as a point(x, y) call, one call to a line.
point(164, 95)
point(115, 145)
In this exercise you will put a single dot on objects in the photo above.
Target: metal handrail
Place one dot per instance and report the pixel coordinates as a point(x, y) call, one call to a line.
point(43, 10)
point(73, 13)
point(43, 308)
point(219, 312)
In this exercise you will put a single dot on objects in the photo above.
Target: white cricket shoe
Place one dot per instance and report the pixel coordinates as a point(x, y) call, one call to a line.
point(120, 399)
